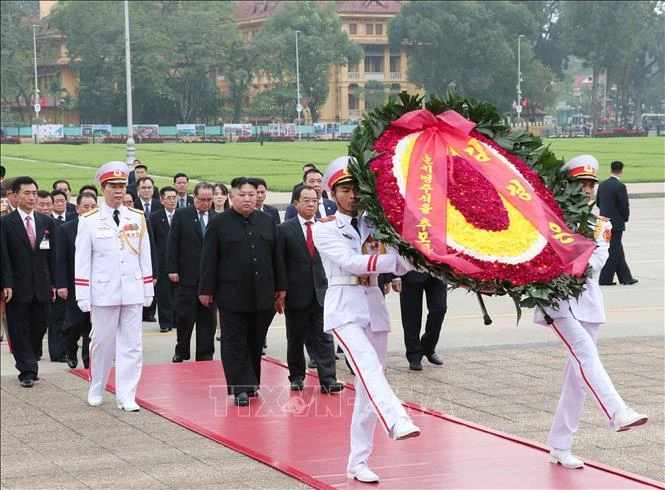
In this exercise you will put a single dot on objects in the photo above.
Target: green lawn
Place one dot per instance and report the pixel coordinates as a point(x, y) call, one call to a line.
point(280, 163)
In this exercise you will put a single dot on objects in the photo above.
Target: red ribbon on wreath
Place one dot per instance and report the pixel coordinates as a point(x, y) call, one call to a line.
point(425, 206)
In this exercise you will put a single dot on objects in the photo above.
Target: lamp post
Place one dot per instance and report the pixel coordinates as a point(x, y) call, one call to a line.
point(34, 50)
point(299, 106)
point(519, 77)
point(131, 150)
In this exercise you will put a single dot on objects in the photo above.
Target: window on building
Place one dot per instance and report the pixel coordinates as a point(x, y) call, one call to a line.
point(353, 28)
point(395, 63)
point(369, 29)
point(378, 29)
point(374, 59)
point(353, 99)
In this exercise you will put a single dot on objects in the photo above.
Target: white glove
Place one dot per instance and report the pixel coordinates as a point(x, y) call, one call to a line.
point(147, 302)
point(84, 305)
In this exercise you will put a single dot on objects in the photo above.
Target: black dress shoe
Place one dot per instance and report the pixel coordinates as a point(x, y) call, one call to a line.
point(335, 387)
point(150, 319)
point(27, 383)
point(177, 358)
point(59, 359)
point(434, 359)
point(415, 365)
point(630, 283)
point(241, 399)
point(297, 384)
point(607, 283)
point(165, 329)
point(253, 393)
point(72, 363)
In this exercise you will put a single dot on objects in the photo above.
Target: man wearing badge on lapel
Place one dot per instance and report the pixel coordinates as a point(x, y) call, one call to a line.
point(113, 279)
point(355, 313)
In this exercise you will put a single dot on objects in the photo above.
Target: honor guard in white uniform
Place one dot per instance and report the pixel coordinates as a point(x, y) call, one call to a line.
point(576, 322)
point(113, 279)
point(355, 313)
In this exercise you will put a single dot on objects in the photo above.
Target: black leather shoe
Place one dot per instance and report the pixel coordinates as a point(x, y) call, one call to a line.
point(150, 319)
point(297, 384)
point(59, 359)
point(241, 399)
point(72, 363)
point(607, 283)
point(434, 359)
point(177, 358)
point(27, 383)
point(253, 393)
point(631, 282)
point(335, 387)
point(165, 329)
point(415, 365)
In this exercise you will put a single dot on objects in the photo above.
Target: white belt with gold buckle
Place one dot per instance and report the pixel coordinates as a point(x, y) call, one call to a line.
point(353, 281)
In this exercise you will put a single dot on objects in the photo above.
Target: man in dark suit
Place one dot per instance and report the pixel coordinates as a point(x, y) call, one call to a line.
point(141, 171)
point(76, 323)
point(306, 289)
point(28, 245)
point(612, 200)
point(60, 212)
point(325, 207)
point(145, 200)
point(261, 192)
point(241, 267)
point(183, 265)
point(63, 185)
point(305, 168)
point(181, 185)
point(161, 224)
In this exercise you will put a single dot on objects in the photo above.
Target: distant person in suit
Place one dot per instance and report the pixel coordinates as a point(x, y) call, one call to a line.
point(242, 269)
point(306, 168)
point(131, 179)
point(77, 324)
point(141, 171)
point(325, 207)
point(90, 188)
point(181, 184)
point(59, 211)
point(183, 264)
point(161, 224)
point(63, 185)
point(145, 200)
point(28, 276)
point(306, 289)
point(44, 203)
point(128, 200)
point(261, 192)
point(220, 198)
point(613, 203)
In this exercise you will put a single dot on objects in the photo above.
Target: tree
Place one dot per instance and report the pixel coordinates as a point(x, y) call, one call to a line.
point(374, 94)
point(239, 67)
point(322, 44)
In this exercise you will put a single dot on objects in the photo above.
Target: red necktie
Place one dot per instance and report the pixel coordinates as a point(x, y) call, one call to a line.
point(31, 232)
point(310, 240)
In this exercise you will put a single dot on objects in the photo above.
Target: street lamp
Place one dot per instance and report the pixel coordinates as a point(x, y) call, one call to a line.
point(131, 150)
point(34, 50)
point(519, 76)
point(299, 106)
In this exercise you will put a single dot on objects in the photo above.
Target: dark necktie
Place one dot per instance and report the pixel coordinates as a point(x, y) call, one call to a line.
point(146, 209)
point(60, 218)
point(354, 223)
point(310, 239)
point(116, 217)
point(202, 225)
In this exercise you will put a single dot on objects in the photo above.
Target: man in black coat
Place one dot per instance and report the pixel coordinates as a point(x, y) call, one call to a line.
point(242, 268)
point(139, 172)
point(145, 200)
point(306, 289)
point(183, 265)
point(261, 192)
point(161, 224)
point(325, 207)
point(76, 323)
point(612, 200)
point(28, 245)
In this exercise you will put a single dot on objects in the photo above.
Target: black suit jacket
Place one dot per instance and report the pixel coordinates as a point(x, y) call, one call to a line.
point(612, 201)
point(155, 205)
point(329, 206)
point(71, 208)
point(183, 250)
point(64, 278)
point(160, 232)
point(30, 274)
point(305, 277)
point(132, 189)
point(241, 264)
point(272, 211)
point(190, 200)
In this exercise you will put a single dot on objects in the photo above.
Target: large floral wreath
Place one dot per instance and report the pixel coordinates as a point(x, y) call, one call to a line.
point(493, 242)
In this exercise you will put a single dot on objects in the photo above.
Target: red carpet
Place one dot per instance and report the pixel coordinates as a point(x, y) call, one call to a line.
point(307, 436)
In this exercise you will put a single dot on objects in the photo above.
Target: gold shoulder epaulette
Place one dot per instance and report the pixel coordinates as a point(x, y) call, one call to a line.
point(327, 219)
point(136, 210)
point(90, 213)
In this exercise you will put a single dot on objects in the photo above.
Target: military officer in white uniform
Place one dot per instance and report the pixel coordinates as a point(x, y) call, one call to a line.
point(355, 313)
point(113, 279)
point(576, 322)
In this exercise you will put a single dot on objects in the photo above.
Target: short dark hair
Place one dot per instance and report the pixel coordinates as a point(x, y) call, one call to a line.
point(308, 165)
point(143, 179)
point(165, 189)
point(22, 180)
point(238, 182)
point(140, 165)
point(58, 192)
point(3, 171)
point(257, 181)
point(616, 166)
point(44, 194)
point(298, 192)
point(202, 185)
point(89, 188)
point(178, 175)
point(137, 162)
point(311, 171)
point(61, 181)
point(83, 194)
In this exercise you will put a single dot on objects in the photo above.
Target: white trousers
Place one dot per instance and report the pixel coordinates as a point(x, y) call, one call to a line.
point(375, 400)
point(583, 373)
point(116, 331)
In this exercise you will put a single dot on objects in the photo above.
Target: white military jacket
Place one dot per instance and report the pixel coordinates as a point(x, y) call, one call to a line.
point(589, 307)
point(112, 263)
point(344, 253)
